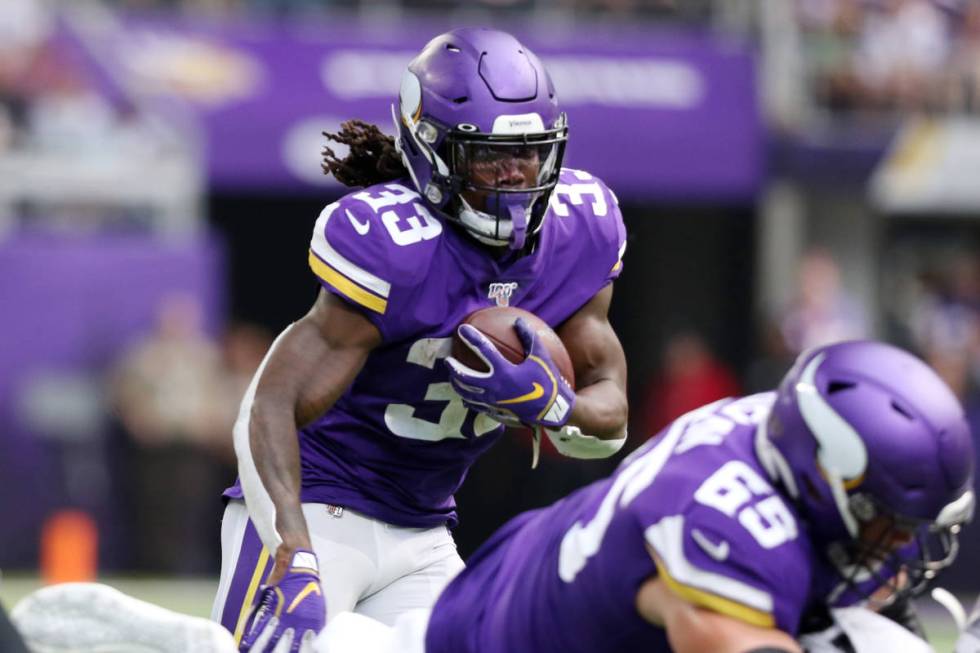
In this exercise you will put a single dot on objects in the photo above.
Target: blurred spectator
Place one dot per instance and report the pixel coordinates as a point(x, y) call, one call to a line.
point(772, 361)
point(903, 50)
point(691, 377)
point(965, 82)
point(945, 325)
point(822, 311)
point(243, 348)
point(881, 55)
point(25, 26)
point(167, 393)
point(834, 29)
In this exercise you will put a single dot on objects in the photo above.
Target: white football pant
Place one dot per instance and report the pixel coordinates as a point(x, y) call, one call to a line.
point(366, 566)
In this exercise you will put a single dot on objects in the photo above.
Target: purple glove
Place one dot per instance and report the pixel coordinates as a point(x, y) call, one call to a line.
point(531, 392)
point(287, 616)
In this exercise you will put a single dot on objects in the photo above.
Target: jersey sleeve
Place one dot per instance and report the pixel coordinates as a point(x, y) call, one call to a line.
point(710, 560)
point(593, 208)
point(613, 233)
point(349, 264)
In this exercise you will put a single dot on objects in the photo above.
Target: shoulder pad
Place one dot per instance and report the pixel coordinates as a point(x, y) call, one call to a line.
point(369, 240)
point(586, 200)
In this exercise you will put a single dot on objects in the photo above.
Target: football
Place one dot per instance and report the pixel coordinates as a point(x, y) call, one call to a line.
point(497, 324)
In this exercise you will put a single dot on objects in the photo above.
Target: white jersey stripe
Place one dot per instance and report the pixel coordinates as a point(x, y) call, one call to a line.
point(667, 539)
point(334, 259)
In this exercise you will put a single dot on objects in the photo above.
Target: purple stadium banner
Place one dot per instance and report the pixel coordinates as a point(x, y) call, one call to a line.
point(661, 116)
point(71, 306)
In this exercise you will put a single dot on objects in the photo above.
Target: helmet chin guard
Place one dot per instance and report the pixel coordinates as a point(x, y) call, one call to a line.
point(490, 230)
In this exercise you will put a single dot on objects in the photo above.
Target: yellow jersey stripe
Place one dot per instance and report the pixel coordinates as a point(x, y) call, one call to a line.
point(253, 585)
point(351, 290)
point(338, 262)
point(716, 603)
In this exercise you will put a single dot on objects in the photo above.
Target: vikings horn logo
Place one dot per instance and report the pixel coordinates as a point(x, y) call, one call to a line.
point(501, 292)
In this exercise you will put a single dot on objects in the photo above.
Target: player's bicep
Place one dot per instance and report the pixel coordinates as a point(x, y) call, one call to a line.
point(319, 357)
point(593, 346)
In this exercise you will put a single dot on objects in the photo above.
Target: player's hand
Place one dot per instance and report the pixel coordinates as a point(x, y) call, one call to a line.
point(287, 616)
point(531, 392)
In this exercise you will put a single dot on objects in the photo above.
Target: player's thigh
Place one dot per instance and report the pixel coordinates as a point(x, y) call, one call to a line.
point(347, 551)
point(430, 563)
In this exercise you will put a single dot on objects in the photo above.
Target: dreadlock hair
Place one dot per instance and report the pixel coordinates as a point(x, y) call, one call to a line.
point(372, 158)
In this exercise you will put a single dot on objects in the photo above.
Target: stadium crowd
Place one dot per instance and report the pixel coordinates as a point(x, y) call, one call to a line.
point(892, 55)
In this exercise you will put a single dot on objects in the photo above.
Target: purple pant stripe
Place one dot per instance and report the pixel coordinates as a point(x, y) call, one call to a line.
point(238, 591)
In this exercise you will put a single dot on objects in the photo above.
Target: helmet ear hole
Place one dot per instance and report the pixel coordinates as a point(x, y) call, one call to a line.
point(811, 489)
point(902, 410)
point(837, 386)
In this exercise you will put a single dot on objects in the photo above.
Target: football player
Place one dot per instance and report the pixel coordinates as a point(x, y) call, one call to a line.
point(734, 530)
point(355, 432)
point(735, 526)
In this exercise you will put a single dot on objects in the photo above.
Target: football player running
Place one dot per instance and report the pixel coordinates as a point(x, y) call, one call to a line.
point(736, 529)
point(355, 432)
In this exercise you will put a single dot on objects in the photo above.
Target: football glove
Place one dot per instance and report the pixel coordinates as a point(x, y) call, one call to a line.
point(531, 392)
point(287, 616)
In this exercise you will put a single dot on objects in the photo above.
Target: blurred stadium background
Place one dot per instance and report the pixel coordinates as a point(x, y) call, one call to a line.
point(791, 172)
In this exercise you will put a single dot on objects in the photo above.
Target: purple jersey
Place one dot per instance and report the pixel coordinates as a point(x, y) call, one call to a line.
point(693, 506)
point(397, 444)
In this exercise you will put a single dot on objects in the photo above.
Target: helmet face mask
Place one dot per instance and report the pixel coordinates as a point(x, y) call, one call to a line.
point(892, 559)
point(875, 451)
point(504, 182)
point(480, 132)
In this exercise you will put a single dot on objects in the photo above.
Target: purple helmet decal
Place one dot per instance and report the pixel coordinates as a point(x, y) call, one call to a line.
point(481, 134)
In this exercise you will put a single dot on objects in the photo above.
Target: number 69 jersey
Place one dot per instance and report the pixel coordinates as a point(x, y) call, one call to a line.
point(693, 506)
point(397, 444)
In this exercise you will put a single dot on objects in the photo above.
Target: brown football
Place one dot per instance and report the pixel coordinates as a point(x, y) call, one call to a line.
point(497, 324)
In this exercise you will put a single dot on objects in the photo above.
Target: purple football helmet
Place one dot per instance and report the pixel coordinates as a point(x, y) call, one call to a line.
point(860, 431)
point(480, 132)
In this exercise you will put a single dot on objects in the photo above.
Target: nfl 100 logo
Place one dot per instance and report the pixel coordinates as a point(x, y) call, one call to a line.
point(501, 292)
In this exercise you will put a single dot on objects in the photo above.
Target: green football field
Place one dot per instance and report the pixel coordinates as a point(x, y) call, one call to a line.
point(194, 596)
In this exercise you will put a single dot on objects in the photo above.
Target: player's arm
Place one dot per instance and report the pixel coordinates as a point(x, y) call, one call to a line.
point(600, 406)
point(693, 629)
point(307, 369)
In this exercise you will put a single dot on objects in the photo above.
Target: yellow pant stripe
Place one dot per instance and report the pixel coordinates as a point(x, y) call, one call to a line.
point(253, 586)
